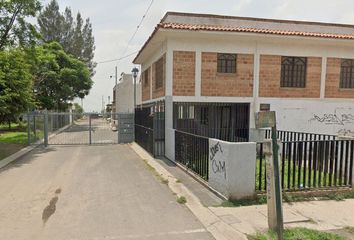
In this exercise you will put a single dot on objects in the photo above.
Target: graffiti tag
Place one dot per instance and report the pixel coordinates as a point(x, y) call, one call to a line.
point(217, 166)
point(334, 119)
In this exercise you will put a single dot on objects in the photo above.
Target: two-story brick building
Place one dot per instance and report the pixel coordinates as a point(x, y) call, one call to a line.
point(214, 72)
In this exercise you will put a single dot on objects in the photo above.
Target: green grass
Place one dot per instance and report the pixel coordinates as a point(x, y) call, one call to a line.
point(298, 234)
point(257, 200)
point(298, 171)
point(288, 197)
point(349, 229)
point(182, 200)
point(5, 127)
point(19, 137)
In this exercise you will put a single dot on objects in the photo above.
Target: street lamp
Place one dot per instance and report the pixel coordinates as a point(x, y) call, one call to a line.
point(135, 72)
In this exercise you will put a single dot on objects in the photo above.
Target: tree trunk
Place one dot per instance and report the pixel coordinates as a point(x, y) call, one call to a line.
point(9, 122)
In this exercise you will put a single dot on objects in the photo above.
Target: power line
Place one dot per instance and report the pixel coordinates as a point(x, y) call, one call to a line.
point(117, 59)
point(130, 40)
point(137, 28)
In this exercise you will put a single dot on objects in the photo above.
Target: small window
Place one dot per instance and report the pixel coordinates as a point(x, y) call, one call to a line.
point(191, 112)
point(226, 63)
point(293, 72)
point(159, 73)
point(180, 112)
point(347, 73)
point(146, 77)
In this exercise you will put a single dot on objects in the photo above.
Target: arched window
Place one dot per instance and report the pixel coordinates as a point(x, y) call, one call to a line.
point(293, 72)
point(347, 73)
point(226, 63)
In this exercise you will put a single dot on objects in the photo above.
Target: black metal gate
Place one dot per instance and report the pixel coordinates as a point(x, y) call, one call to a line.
point(150, 127)
point(68, 128)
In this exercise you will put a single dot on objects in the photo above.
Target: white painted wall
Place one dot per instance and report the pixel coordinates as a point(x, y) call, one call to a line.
point(125, 94)
point(314, 116)
point(232, 168)
point(169, 131)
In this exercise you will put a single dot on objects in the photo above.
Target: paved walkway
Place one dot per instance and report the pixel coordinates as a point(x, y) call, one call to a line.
point(319, 215)
point(91, 193)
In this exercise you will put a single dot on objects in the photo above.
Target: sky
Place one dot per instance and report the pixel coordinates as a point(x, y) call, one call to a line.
point(115, 21)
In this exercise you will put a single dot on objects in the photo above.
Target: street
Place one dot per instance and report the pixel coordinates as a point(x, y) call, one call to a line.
point(90, 192)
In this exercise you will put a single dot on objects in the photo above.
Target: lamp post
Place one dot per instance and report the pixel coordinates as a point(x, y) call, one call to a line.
point(135, 72)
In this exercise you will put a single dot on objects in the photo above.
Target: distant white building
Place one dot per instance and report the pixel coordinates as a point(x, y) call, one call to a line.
point(123, 94)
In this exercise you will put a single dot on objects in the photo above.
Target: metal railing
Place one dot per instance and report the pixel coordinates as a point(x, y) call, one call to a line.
point(144, 136)
point(192, 152)
point(310, 165)
point(286, 136)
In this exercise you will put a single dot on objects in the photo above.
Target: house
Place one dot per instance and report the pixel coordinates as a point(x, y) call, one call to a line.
point(123, 94)
point(210, 74)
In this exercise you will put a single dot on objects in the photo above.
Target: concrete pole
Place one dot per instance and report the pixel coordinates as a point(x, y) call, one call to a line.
point(134, 93)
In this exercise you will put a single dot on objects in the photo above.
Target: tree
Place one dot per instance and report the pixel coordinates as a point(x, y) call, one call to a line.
point(16, 93)
point(78, 108)
point(75, 36)
point(14, 29)
point(59, 77)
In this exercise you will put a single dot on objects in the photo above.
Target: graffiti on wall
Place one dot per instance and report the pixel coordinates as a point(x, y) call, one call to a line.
point(334, 118)
point(218, 165)
point(345, 132)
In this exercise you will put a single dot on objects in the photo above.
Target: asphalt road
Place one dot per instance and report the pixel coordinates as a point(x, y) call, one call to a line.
point(92, 193)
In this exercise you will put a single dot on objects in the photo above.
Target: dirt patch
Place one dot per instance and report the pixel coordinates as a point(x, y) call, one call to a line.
point(50, 209)
point(58, 191)
point(7, 149)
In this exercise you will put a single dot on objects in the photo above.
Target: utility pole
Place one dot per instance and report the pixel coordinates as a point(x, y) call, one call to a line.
point(116, 76)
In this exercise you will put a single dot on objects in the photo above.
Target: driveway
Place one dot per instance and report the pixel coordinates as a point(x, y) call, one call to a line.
point(92, 193)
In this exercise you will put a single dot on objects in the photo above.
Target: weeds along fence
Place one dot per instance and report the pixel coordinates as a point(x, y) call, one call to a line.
point(313, 164)
point(192, 151)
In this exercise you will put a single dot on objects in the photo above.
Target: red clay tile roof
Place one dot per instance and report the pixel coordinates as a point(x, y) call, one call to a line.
point(196, 27)
point(164, 24)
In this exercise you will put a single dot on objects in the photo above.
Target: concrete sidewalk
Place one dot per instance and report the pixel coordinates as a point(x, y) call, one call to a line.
point(319, 215)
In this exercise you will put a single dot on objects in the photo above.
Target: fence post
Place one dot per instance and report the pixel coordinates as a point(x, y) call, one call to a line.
point(90, 134)
point(46, 128)
point(28, 128)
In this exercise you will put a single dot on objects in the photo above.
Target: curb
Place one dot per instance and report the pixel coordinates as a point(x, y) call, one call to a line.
point(213, 224)
point(17, 155)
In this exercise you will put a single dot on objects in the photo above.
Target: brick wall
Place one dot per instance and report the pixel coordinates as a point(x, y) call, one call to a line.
point(183, 73)
point(333, 80)
point(269, 79)
point(239, 84)
point(158, 92)
point(145, 84)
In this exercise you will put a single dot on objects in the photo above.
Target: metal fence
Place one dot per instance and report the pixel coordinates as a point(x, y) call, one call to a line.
point(69, 128)
point(192, 152)
point(150, 127)
point(310, 165)
point(299, 136)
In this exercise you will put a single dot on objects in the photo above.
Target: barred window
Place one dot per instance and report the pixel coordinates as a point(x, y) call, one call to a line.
point(159, 73)
point(293, 72)
point(146, 77)
point(347, 73)
point(226, 63)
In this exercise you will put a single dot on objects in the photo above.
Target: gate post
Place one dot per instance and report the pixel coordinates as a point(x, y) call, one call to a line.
point(90, 136)
point(46, 128)
point(28, 129)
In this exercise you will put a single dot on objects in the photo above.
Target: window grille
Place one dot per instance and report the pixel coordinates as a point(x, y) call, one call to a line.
point(293, 72)
point(159, 73)
point(347, 73)
point(226, 63)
